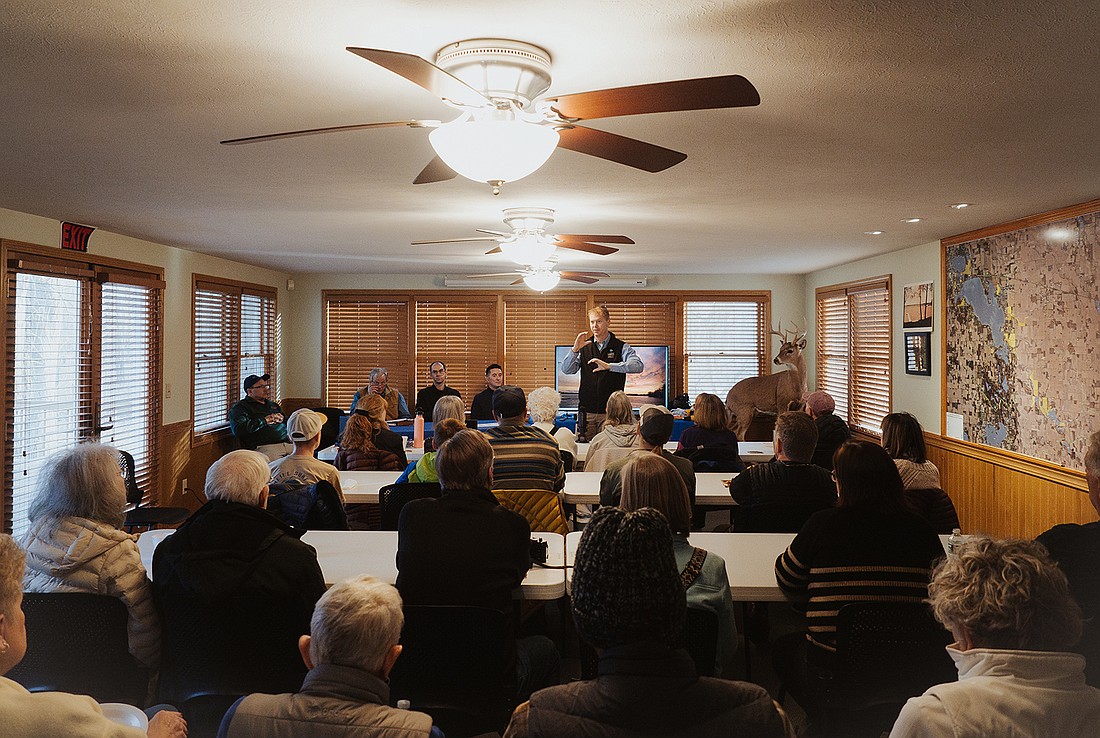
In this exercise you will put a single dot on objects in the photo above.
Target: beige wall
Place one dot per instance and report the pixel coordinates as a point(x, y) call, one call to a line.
point(921, 396)
point(178, 266)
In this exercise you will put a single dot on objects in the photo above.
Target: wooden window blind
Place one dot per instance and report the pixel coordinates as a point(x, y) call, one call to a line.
point(724, 342)
point(853, 350)
point(462, 333)
point(532, 328)
point(82, 348)
point(360, 334)
point(234, 335)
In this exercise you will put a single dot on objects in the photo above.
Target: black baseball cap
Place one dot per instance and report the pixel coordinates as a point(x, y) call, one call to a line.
point(252, 379)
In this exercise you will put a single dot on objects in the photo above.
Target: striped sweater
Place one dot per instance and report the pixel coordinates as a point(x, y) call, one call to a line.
point(847, 555)
point(525, 457)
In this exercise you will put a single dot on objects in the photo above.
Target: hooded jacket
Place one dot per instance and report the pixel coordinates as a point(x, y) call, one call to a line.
point(81, 555)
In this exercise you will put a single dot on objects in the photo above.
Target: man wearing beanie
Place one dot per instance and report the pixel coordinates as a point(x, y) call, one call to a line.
point(654, 432)
point(629, 604)
point(304, 428)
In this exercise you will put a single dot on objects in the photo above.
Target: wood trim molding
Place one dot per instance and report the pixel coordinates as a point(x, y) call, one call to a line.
point(1008, 460)
point(1071, 211)
point(15, 248)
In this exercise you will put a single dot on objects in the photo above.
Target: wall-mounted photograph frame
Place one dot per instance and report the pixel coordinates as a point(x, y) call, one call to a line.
point(918, 306)
point(918, 353)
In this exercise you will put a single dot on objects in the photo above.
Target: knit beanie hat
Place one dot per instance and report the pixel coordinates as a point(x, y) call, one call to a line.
point(626, 587)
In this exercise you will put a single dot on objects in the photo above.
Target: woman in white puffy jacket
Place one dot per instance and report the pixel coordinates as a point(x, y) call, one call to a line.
point(75, 545)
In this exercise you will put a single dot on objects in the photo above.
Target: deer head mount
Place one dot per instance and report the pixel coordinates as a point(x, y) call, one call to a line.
point(771, 393)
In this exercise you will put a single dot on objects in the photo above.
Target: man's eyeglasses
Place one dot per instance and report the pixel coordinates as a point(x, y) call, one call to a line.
point(260, 386)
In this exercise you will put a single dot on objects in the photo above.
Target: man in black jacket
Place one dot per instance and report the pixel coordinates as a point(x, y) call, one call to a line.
point(235, 588)
point(832, 431)
point(603, 361)
point(465, 549)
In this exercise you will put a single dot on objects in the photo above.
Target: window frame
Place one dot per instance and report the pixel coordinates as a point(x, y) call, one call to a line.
point(875, 339)
point(233, 355)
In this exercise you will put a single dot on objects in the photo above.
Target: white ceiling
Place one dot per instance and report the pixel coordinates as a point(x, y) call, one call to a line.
point(111, 113)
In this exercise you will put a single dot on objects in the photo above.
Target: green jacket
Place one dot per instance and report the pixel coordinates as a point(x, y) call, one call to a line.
point(247, 421)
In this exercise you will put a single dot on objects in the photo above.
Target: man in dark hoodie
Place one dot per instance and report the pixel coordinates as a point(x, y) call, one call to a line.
point(832, 431)
point(235, 588)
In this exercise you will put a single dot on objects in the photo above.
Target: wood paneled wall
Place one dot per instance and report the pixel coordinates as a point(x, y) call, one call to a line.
point(1005, 494)
point(181, 461)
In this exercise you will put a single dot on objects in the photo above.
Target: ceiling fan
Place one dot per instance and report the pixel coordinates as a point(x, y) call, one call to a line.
point(529, 244)
point(544, 277)
point(506, 130)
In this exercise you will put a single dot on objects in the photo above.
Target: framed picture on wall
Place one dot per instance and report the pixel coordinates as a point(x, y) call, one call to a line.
point(918, 354)
point(918, 304)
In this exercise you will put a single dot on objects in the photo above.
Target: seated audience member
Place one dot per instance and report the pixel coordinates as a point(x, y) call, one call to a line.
point(1014, 621)
point(380, 385)
point(711, 427)
point(304, 428)
point(352, 646)
point(832, 431)
point(650, 481)
point(1076, 550)
point(363, 447)
point(903, 439)
point(542, 406)
point(423, 469)
point(618, 436)
point(781, 495)
point(465, 549)
point(241, 578)
point(629, 604)
point(427, 397)
point(482, 406)
point(868, 547)
point(258, 422)
point(654, 432)
point(449, 407)
point(524, 457)
point(25, 714)
point(75, 545)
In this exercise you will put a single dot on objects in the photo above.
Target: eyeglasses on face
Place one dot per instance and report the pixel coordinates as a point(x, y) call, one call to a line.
point(260, 386)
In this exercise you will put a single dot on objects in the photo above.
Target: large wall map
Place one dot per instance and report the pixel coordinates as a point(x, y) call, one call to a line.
point(1023, 338)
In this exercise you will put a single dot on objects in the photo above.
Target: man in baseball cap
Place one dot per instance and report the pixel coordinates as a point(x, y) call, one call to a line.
point(304, 427)
point(654, 432)
point(257, 421)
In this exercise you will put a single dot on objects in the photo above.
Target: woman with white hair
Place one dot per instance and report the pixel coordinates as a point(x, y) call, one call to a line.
point(48, 714)
point(1014, 621)
point(75, 545)
point(542, 408)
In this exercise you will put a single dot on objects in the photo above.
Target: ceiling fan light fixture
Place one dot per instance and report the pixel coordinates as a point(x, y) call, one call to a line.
point(528, 249)
point(542, 280)
point(494, 149)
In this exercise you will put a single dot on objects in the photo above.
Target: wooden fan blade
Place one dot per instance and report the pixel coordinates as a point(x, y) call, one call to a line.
point(597, 239)
point(584, 274)
point(582, 280)
point(497, 250)
point(730, 91)
point(591, 248)
point(422, 72)
point(613, 147)
point(436, 171)
point(495, 233)
point(518, 281)
point(495, 274)
point(332, 129)
point(452, 240)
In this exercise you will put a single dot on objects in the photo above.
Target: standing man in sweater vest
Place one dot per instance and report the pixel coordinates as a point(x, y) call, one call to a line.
point(603, 361)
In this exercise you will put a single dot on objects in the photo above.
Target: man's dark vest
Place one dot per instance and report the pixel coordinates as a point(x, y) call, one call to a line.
point(596, 387)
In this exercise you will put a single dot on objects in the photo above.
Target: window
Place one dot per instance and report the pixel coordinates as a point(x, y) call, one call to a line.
point(714, 339)
point(82, 351)
point(235, 335)
point(724, 342)
point(853, 350)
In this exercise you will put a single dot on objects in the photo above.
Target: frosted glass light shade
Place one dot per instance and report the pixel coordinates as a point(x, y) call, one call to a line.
point(542, 281)
point(493, 151)
point(528, 250)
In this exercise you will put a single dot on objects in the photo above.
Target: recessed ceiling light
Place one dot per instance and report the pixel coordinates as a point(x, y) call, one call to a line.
point(911, 220)
point(873, 233)
point(959, 205)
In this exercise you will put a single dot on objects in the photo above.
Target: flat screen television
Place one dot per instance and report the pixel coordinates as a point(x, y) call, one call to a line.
point(649, 387)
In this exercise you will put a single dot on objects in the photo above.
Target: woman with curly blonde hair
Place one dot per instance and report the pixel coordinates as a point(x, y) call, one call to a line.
point(1010, 610)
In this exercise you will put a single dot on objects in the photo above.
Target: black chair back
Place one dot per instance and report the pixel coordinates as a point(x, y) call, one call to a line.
point(77, 642)
point(713, 458)
point(934, 506)
point(776, 517)
point(567, 461)
point(457, 665)
point(393, 497)
point(330, 431)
